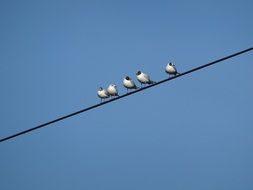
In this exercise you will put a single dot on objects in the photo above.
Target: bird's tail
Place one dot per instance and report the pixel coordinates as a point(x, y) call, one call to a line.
point(152, 82)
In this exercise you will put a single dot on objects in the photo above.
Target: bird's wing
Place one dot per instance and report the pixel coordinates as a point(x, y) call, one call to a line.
point(146, 76)
point(106, 93)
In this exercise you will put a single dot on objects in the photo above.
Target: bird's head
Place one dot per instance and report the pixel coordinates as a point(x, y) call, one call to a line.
point(112, 85)
point(138, 73)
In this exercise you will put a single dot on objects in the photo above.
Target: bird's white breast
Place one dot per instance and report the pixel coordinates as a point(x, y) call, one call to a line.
point(143, 78)
point(128, 83)
point(102, 93)
point(171, 69)
point(112, 90)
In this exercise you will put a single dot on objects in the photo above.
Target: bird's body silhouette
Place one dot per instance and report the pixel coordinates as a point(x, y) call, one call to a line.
point(103, 94)
point(128, 83)
point(143, 78)
point(171, 69)
point(112, 90)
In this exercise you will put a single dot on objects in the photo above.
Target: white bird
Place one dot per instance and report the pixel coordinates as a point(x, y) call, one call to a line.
point(102, 93)
point(143, 78)
point(171, 69)
point(129, 83)
point(112, 90)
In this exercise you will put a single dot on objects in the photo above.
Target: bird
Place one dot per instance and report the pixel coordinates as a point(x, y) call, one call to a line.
point(112, 90)
point(171, 69)
point(103, 94)
point(143, 78)
point(128, 83)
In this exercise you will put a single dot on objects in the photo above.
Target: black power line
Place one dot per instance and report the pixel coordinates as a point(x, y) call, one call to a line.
point(127, 94)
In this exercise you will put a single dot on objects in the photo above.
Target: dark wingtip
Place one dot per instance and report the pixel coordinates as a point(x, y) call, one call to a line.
point(152, 82)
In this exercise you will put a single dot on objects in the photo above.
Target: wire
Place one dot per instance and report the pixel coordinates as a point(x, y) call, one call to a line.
point(124, 95)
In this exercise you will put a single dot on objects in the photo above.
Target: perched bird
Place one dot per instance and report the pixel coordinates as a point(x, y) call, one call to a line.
point(129, 83)
point(143, 78)
point(112, 90)
point(103, 94)
point(171, 69)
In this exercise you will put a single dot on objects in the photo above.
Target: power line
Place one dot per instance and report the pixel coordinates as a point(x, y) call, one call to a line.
point(127, 94)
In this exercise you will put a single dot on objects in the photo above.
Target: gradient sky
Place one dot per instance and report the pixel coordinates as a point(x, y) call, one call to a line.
point(192, 133)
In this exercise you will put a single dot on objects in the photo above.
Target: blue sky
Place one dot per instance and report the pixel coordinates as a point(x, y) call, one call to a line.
point(191, 133)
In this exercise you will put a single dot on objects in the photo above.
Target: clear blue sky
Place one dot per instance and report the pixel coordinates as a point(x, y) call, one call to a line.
point(192, 133)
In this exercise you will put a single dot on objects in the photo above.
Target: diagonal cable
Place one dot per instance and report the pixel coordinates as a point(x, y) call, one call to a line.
point(124, 95)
